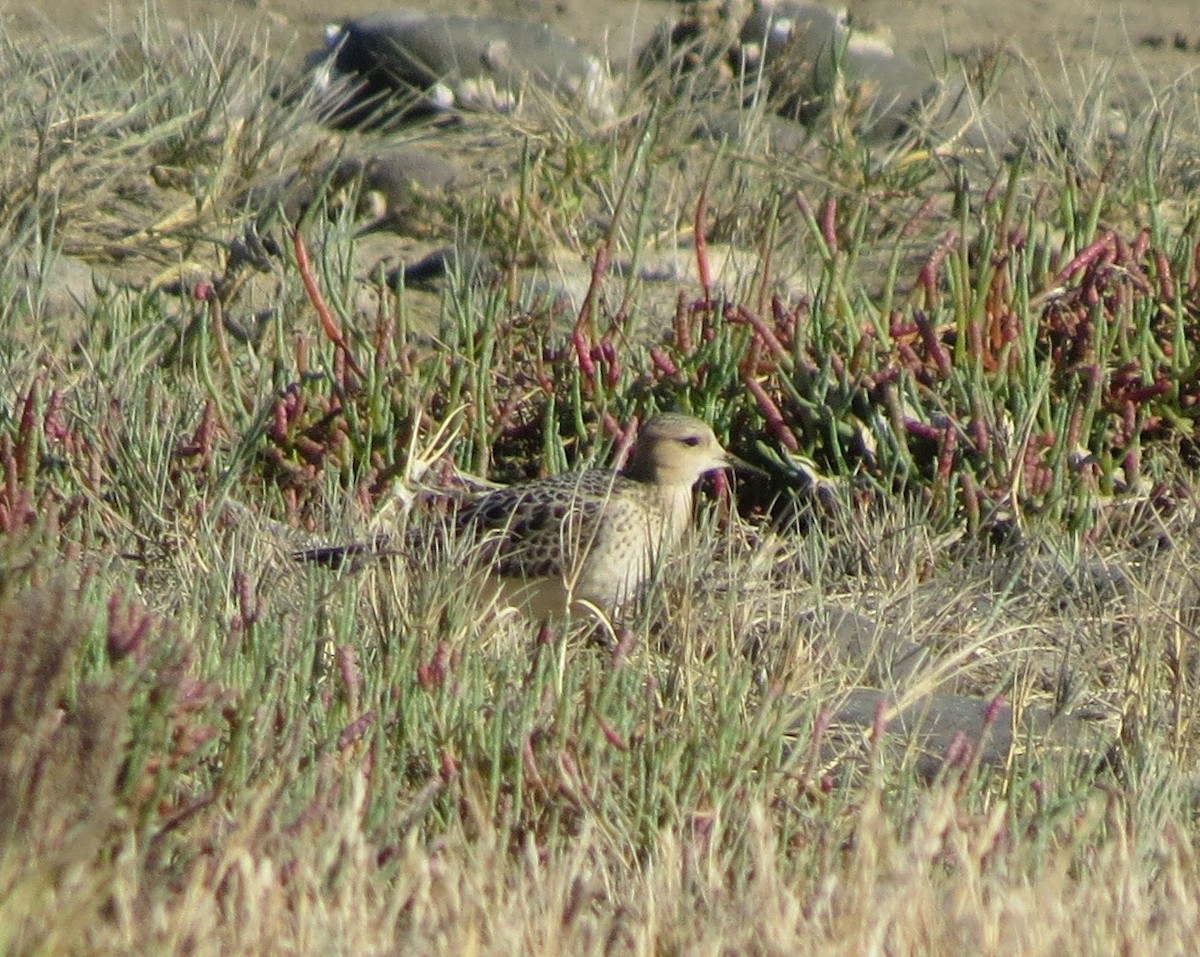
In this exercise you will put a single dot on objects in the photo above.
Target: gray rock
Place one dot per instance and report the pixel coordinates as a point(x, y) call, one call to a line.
point(851, 640)
point(396, 64)
point(943, 732)
point(460, 268)
point(924, 718)
point(811, 57)
point(767, 133)
point(810, 37)
point(390, 183)
point(385, 185)
point(50, 286)
point(448, 262)
point(808, 54)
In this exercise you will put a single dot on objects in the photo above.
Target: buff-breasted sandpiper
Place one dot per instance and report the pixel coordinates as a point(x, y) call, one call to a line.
point(592, 538)
point(581, 539)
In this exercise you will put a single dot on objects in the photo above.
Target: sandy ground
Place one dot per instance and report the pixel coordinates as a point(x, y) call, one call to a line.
point(1144, 45)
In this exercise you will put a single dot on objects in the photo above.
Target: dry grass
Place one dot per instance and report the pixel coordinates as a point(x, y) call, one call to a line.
point(630, 806)
point(206, 747)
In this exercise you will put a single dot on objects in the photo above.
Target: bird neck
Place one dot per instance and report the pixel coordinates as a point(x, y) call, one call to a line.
point(640, 468)
point(676, 504)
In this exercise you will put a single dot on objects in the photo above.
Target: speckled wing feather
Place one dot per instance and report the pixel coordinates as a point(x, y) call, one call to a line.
point(544, 529)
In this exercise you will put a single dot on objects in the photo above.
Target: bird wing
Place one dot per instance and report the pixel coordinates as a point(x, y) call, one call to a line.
point(541, 529)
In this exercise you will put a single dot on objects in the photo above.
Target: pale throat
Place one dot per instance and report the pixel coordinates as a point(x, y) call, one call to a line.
point(675, 501)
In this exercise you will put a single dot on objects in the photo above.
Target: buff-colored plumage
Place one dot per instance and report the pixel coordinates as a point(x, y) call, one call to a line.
point(594, 537)
point(578, 540)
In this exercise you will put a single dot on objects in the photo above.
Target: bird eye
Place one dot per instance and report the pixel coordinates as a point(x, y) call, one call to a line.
point(691, 441)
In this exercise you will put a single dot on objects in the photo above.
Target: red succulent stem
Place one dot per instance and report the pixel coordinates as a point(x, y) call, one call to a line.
point(829, 224)
point(1106, 244)
point(1166, 283)
point(743, 316)
point(313, 290)
point(933, 266)
point(772, 413)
